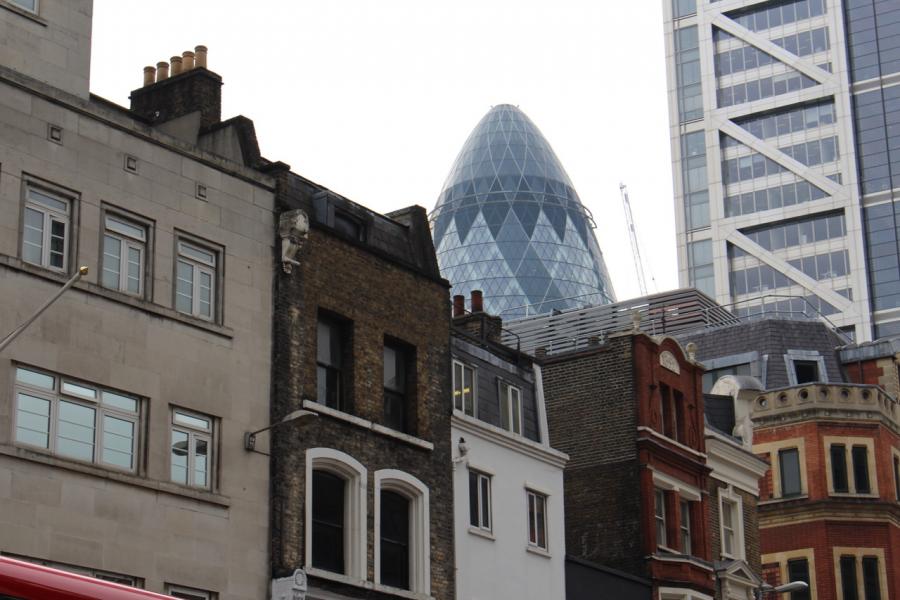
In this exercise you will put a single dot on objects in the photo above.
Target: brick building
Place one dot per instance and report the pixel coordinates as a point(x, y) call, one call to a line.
point(123, 408)
point(829, 510)
point(629, 411)
point(362, 481)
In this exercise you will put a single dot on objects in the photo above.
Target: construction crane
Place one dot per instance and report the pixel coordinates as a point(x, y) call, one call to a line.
point(635, 249)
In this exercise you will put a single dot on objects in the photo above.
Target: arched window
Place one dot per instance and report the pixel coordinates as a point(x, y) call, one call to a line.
point(335, 514)
point(402, 532)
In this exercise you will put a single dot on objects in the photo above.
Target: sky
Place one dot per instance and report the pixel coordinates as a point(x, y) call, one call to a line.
point(374, 99)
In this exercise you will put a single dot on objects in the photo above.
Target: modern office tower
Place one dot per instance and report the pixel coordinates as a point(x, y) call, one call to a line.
point(509, 222)
point(785, 129)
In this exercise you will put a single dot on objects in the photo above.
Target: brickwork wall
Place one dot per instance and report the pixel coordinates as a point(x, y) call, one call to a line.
point(592, 417)
point(380, 298)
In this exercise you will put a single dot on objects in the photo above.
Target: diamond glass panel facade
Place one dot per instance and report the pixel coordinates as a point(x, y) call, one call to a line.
point(508, 222)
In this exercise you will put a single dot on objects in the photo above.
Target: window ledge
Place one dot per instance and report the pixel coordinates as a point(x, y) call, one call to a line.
point(378, 587)
point(784, 499)
point(120, 297)
point(23, 13)
point(338, 577)
point(867, 496)
point(166, 487)
point(366, 424)
point(488, 535)
point(538, 551)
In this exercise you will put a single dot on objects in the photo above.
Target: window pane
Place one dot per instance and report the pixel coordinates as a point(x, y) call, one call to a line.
point(485, 501)
point(871, 578)
point(394, 540)
point(205, 294)
point(33, 236)
point(469, 391)
point(201, 468)
point(112, 252)
point(198, 254)
point(540, 506)
point(860, 456)
point(124, 227)
point(119, 401)
point(192, 421)
point(473, 499)
point(79, 390)
point(504, 405)
point(48, 201)
point(790, 472)
point(34, 378)
point(179, 456)
point(118, 442)
point(798, 570)
point(133, 283)
point(515, 402)
point(75, 431)
point(848, 578)
point(33, 420)
point(839, 468)
point(57, 244)
point(328, 521)
point(184, 288)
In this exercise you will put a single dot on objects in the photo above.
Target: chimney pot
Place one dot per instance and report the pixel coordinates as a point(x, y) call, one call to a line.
point(176, 65)
point(200, 56)
point(187, 60)
point(149, 75)
point(162, 70)
point(459, 305)
point(477, 301)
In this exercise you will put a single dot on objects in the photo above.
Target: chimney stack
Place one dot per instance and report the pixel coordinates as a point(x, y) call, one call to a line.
point(178, 88)
point(459, 305)
point(477, 301)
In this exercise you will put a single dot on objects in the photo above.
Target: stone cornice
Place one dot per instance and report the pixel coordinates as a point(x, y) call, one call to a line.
point(490, 433)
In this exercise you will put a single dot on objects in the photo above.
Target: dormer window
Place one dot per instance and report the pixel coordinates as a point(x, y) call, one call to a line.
point(349, 226)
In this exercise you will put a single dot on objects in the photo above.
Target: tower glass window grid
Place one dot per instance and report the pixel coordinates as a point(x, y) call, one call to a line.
point(509, 222)
point(816, 114)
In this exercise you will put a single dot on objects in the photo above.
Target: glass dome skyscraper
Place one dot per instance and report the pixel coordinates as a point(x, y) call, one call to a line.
point(508, 222)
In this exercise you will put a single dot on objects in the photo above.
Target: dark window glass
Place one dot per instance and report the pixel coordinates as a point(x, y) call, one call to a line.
point(897, 477)
point(329, 363)
point(839, 468)
point(395, 387)
point(328, 522)
point(798, 570)
point(394, 540)
point(807, 371)
point(860, 455)
point(789, 461)
point(349, 226)
point(848, 578)
point(871, 580)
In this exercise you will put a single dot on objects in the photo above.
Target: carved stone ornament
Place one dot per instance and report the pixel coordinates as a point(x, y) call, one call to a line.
point(668, 361)
point(293, 229)
point(290, 588)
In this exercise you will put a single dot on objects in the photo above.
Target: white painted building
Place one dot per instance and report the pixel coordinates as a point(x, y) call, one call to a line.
point(507, 480)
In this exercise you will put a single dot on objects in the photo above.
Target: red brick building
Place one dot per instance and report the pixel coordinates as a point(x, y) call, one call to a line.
point(830, 504)
point(629, 412)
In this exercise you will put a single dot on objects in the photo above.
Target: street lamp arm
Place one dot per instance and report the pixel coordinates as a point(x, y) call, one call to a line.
point(250, 436)
point(82, 271)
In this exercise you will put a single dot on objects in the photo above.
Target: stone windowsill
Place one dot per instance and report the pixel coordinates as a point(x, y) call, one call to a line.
point(539, 551)
point(23, 13)
point(482, 533)
point(366, 424)
point(166, 487)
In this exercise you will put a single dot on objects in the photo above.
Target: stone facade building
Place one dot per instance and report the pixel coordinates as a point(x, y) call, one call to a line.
point(362, 480)
point(508, 480)
point(123, 408)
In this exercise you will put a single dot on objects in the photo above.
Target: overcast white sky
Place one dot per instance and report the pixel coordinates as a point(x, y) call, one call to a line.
point(374, 99)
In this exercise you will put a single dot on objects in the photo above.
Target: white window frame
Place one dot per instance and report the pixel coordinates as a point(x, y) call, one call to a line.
point(180, 591)
point(116, 227)
point(510, 395)
point(532, 519)
point(685, 526)
point(660, 518)
point(355, 517)
point(189, 253)
point(194, 433)
point(484, 505)
point(18, 4)
point(59, 393)
point(419, 530)
point(49, 215)
point(459, 391)
point(734, 500)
